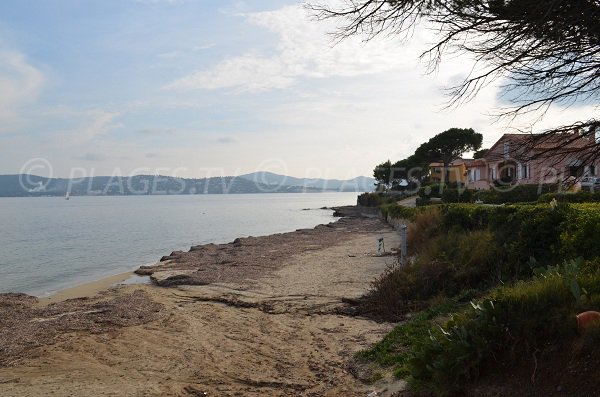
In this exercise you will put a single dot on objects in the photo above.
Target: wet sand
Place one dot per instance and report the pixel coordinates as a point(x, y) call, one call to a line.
point(281, 330)
point(87, 289)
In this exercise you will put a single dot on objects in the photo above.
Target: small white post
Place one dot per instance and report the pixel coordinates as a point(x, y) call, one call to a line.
point(403, 244)
point(380, 246)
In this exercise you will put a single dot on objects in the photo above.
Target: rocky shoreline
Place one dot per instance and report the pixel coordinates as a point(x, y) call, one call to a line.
point(249, 257)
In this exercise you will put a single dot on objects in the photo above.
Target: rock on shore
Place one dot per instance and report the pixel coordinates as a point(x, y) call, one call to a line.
point(248, 257)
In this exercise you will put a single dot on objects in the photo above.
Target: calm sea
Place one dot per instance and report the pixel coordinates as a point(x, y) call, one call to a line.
point(49, 243)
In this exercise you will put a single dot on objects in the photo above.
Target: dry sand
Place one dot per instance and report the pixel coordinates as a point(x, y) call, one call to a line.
point(281, 333)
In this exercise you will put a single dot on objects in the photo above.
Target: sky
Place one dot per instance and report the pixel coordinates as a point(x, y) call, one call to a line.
point(213, 88)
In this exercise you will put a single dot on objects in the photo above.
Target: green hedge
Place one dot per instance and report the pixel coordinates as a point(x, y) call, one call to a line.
point(579, 197)
point(397, 211)
point(374, 199)
point(497, 195)
point(432, 190)
point(514, 194)
point(518, 233)
point(542, 231)
point(580, 235)
point(452, 195)
point(545, 232)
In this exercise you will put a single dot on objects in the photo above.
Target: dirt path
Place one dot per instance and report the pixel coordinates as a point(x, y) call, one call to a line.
point(280, 334)
point(409, 202)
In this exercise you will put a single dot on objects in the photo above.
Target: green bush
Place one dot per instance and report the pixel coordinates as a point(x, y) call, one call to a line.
point(465, 246)
point(445, 267)
point(422, 201)
point(514, 319)
point(397, 211)
point(521, 230)
point(453, 262)
point(579, 197)
point(546, 232)
point(514, 194)
point(432, 190)
point(425, 225)
point(374, 199)
point(451, 195)
point(581, 232)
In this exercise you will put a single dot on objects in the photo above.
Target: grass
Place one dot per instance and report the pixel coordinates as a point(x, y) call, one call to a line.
point(395, 349)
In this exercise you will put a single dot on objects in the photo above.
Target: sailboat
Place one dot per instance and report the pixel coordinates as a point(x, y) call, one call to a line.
point(67, 196)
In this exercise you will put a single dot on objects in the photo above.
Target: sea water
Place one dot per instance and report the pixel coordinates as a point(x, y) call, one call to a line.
point(49, 243)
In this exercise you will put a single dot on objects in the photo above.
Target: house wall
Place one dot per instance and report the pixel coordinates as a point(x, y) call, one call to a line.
point(547, 170)
point(477, 177)
point(457, 173)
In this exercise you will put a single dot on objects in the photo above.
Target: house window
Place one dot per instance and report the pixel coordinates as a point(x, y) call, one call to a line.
point(493, 173)
point(592, 170)
point(506, 149)
point(575, 169)
point(525, 171)
point(474, 175)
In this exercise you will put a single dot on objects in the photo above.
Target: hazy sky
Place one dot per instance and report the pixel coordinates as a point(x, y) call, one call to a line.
point(197, 88)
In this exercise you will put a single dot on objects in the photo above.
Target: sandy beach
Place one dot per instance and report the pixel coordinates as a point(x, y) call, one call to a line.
point(271, 322)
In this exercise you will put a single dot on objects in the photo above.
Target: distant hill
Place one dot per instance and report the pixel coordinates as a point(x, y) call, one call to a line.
point(358, 184)
point(32, 185)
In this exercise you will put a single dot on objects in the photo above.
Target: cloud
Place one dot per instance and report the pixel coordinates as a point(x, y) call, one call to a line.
point(20, 83)
point(169, 55)
point(248, 72)
point(303, 50)
point(91, 157)
point(90, 124)
point(101, 122)
point(155, 131)
point(225, 140)
point(204, 47)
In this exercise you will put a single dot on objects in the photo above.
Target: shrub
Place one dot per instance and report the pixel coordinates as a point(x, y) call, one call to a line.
point(447, 265)
point(432, 190)
point(451, 195)
point(579, 197)
point(521, 230)
point(424, 226)
point(422, 201)
point(514, 194)
point(455, 261)
point(581, 232)
point(397, 211)
point(463, 246)
point(374, 199)
point(513, 320)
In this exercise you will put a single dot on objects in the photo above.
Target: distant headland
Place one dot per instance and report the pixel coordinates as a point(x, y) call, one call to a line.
point(25, 185)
